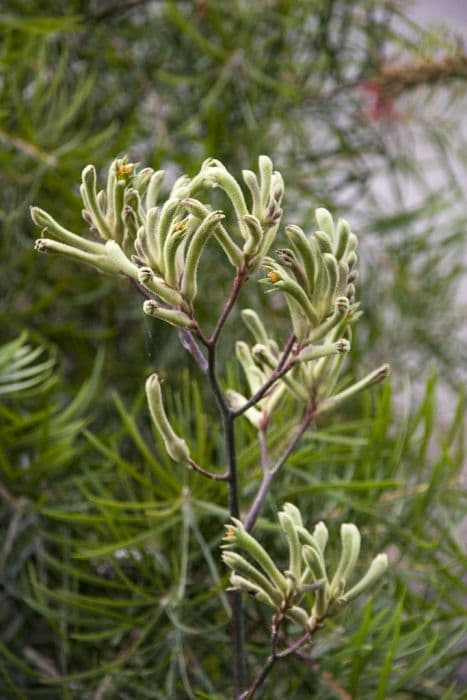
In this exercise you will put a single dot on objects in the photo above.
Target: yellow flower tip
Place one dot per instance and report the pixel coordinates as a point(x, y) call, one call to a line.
point(180, 227)
point(125, 169)
point(230, 534)
point(274, 276)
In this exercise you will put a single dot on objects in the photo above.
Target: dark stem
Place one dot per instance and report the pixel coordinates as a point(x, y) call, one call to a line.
point(239, 674)
point(235, 597)
point(208, 366)
point(260, 678)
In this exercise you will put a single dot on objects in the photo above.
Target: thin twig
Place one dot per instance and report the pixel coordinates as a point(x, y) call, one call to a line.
point(237, 285)
point(304, 425)
point(208, 474)
point(282, 368)
point(239, 676)
point(294, 647)
point(262, 436)
point(276, 656)
point(270, 474)
point(189, 343)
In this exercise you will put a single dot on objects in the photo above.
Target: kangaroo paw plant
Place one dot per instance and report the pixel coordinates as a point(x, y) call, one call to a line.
point(159, 245)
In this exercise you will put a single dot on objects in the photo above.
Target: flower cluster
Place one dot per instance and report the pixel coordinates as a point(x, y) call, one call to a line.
point(160, 246)
point(288, 591)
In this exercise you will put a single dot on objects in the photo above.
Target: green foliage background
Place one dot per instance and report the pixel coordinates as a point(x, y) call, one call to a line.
point(112, 586)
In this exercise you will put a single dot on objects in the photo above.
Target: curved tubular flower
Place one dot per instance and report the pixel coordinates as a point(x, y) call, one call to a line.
point(307, 572)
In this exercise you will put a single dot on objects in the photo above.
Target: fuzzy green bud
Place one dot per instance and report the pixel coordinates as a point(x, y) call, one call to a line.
point(315, 563)
point(157, 285)
point(255, 235)
point(293, 513)
point(243, 567)
point(320, 536)
point(119, 259)
point(295, 555)
point(377, 569)
point(154, 188)
point(265, 169)
point(314, 352)
point(372, 378)
point(45, 221)
point(216, 176)
point(251, 181)
point(176, 447)
point(195, 248)
point(101, 262)
point(231, 249)
point(172, 316)
point(325, 222)
point(88, 191)
point(322, 239)
point(343, 234)
point(350, 549)
point(237, 401)
point(302, 247)
point(237, 536)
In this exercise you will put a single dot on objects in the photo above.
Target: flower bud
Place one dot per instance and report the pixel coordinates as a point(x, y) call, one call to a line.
point(101, 262)
point(220, 177)
point(88, 191)
point(265, 170)
point(176, 447)
point(323, 241)
point(320, 536)
point(243, 567)
point(236, 402)
point(350, 549)
point(157, 285)
point(314, 352)
point(243, 584)
point(153, 188)
point(304, 250)
point(325, 222)
point(195, 248)
point(343, 234)
point(119, 259)
point(295, 557)
point(372, 378)
point(315, 563)
point(377, 569)
point(45, 221)
point(237, 536)
point(293, 513)
point(255, 235)
point(201, 211)
point(172, 316)
point(251, 181)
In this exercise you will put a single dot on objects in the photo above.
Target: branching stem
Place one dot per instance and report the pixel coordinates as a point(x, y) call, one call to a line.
point(282, 368)
point(239, 677)
point(208, 474)
point(276, 655)
point(269, 474)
